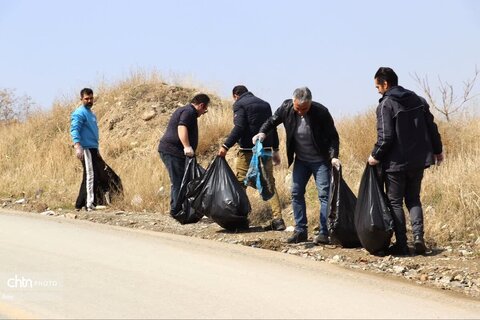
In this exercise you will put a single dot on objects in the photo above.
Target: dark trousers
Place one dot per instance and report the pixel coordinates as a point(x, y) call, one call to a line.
point(405, 185)
point(176, 169)
point(91, 187)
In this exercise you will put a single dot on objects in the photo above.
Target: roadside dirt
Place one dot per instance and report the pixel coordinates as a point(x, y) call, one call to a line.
point(455, 267)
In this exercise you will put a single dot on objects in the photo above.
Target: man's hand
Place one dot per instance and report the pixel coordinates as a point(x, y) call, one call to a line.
point(276, 158)
point(336, 163)
point(188, 151)
point(79, 151)
point(259, 136)
point(439, 158)
point(372, 161)
point(222, 152)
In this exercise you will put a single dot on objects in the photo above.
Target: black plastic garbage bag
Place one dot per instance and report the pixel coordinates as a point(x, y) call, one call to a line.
point(341, 212)
point(257, 175)
point(107, 186)
point(115, 187)
point(184, 213)
point(373, 218)
point(220, 196)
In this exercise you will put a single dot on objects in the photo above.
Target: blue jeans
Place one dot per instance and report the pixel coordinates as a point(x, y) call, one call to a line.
point(176, 169)
point(302, 171)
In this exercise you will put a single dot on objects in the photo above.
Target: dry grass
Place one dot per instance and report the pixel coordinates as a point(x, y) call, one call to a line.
point(37, 157)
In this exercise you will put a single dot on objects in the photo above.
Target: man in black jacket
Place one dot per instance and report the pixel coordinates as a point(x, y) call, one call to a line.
point(408, 141)
point(312, 140)
point(250, 113)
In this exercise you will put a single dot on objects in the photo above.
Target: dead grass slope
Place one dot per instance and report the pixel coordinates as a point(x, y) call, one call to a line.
point(37, 161)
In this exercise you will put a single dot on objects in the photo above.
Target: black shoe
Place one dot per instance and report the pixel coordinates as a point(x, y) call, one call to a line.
point(399, 250)
point(419, 244)
point(321, 239)
point(275, 225)
point(298, 237)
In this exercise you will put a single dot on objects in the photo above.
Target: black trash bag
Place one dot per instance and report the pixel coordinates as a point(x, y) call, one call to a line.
point(114, 182)
point(109, 186)
point(220, 196)
point(341, 212)
point(183, 212)
point(373, 218)
point(257, 175)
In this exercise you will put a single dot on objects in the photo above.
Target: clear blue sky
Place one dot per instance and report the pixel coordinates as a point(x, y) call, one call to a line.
point(51, 49)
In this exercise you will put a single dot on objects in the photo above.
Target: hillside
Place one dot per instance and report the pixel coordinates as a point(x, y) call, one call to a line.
point(38, 157)
point(38, 163)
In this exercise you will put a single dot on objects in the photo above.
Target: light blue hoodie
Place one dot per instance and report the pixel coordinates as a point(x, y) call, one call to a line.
point(84, 128)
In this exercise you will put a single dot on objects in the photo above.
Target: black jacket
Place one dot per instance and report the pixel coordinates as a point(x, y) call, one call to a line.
point(407, 134)
point(324, 133)
point(250, 113)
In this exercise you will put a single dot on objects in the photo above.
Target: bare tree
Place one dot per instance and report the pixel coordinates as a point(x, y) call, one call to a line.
point(450, 101)
point(13, 107)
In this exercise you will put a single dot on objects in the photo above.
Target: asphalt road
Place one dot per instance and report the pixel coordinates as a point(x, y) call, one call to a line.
point(53, 267)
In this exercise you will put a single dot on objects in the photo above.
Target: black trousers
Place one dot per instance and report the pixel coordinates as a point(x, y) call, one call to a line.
point(176, 169)
point(92, 187)
point(400, 186)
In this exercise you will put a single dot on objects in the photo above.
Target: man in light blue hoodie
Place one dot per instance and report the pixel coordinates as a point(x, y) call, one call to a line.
point(84, 132)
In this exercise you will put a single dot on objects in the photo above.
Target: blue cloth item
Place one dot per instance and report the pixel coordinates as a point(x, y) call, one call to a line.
point(84, 128)
point(256, 174)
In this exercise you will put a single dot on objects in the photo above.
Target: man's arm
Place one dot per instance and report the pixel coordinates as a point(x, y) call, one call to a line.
point(433, 130)
point(183, 136)
point(385, 132)
point(76, 124)
point(239, 122)
point(333, 137)
point(276, 119)
point(434, 134)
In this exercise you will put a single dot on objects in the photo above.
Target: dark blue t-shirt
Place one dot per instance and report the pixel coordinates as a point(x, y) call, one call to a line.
point(170, 142)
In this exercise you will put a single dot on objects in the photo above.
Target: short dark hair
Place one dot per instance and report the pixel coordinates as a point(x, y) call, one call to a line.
point(200, 98)
point(239, 90)
point(386, 74)
point(85, 92)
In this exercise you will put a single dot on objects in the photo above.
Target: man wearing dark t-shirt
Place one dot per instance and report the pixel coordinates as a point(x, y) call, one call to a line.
point(180, 140)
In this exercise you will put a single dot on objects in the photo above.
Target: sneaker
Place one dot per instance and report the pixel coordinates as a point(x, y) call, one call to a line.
point(419, 244)
point(321, 239)
point(298, 237)
point(275, 225)
point(90, 207)
point(399, 250)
